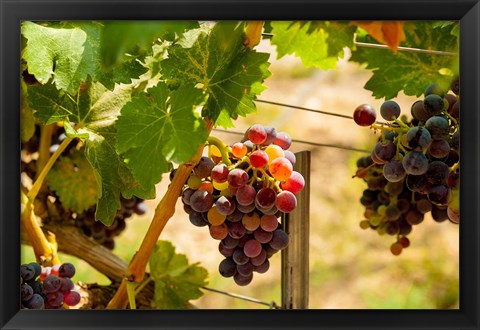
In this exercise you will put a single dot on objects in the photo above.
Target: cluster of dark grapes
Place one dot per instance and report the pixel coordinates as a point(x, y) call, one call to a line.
point(47, 287)
point(241, 196)
point(414, 167)
point(101, 233)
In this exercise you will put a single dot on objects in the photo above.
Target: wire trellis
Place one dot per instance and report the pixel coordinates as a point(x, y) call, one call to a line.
point(272, 304)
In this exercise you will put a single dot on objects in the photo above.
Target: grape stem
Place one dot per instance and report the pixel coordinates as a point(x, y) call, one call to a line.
point(454, 166)
point(222, 147)
point(163, 212)
point(32, 194)
point(44, 147)
point(45, 249)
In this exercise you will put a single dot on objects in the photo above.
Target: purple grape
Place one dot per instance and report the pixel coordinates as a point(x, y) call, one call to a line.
point(26, 292)
point(279, 240)
point(266, 198)
point(55, 299)
point(245, 269)
point(438, 127)
point(393, 171)
point(246, 195)
point(263, 268)
point(52, 283)
point(437, 172)
point(239, 256)
point(242, 280)
point(418, 138)
point(67, 285)
point(66, 270)
point(201, 201)
point(27, 272)
point(227, 267)
point(72, 298)
point(204, 167)
point(36, 302)
point(390, 110)
point(433, 104)
point(415, 162)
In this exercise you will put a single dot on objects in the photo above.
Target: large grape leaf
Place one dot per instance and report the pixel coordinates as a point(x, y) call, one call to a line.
point(318, 44)
point(217, 61)
point(69, 52)
point(73, 180)
point(94, 110)
point(176, 281)
point(411, 72)
point(158, 127)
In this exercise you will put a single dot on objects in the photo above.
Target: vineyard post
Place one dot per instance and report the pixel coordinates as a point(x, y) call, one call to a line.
point(295, 258)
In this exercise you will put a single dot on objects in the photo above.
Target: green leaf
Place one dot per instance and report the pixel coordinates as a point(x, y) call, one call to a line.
point(176, 282)
point(318, 44)
point(411, 72)
point(73, 181)
point(217, 62)
point(94, 110)
point(119, 37)
point(158, 127)
point(67, 54)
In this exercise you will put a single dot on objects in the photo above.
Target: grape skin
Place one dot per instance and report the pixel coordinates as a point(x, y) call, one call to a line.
point(415, 163)
point(390, 110)
point(364, 115)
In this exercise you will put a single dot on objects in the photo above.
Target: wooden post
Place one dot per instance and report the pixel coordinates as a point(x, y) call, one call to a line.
point(295, 258)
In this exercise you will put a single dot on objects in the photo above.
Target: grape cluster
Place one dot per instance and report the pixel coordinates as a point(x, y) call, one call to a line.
point(414, 168)
point(240, 192)
point(47, 287)
point(103, 234)
point(85, 220)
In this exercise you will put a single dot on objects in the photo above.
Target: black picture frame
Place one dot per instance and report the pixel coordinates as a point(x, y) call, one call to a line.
point(14, 11)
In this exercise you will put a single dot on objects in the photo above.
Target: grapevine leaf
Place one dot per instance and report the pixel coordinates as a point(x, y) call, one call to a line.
point(73, 181)
point(410, 71)
point(218, 62)
point(67, 54)
point(176, 281)
point(158, 127)
point(119, 37)
point(94, 110)
point(318, 44)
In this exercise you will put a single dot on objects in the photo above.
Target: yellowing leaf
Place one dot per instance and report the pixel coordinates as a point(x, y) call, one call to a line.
point(253, 33)
point(73, 180)
point(387, 32)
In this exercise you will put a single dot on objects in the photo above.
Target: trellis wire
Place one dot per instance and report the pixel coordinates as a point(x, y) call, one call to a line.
point(400, 48)
point(239, 296)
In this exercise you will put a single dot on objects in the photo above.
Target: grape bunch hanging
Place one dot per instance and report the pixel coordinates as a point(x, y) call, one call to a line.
point(240, 192)
point(414, 168)
point(47, 287)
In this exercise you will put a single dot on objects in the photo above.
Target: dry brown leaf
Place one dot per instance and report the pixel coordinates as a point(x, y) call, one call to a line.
point(387, 32)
